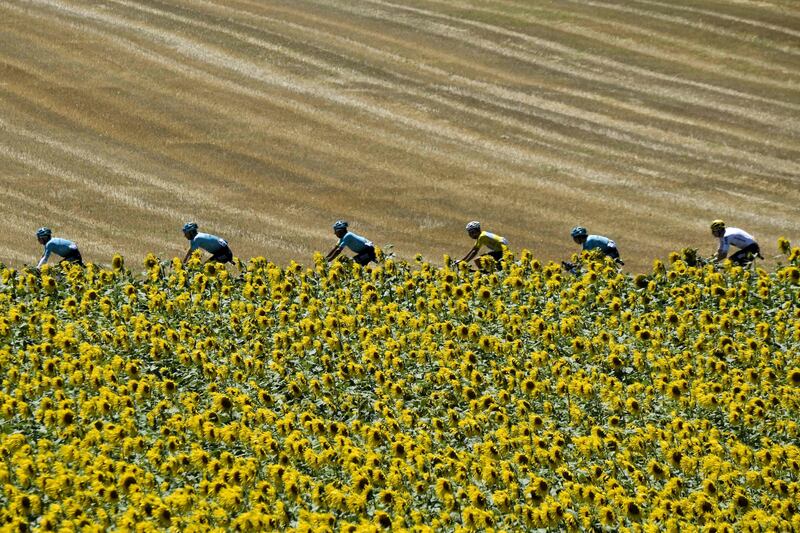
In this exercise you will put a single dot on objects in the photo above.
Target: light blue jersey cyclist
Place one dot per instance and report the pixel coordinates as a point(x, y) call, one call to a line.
point(216, 246)
point(67, 249)
point(596, 242)
point(364, 249)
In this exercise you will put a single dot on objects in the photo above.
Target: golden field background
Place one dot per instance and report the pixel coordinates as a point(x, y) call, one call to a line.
point(267, 120)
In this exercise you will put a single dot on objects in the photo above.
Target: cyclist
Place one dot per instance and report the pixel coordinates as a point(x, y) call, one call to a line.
point(602, 244)
point(734, 236)
point(495, 243)
point(68, 250)
point(216, 246)
point(364, 249)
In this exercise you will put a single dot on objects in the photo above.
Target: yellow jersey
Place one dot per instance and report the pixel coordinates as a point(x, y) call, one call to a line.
point(495, 243)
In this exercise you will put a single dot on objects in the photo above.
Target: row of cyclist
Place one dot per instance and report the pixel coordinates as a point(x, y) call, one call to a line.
point(364, 249)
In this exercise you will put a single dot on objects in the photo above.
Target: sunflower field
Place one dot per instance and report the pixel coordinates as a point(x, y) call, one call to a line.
point(401, 396)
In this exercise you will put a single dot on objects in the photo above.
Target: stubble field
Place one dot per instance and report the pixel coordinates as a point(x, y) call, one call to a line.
point(266, 121)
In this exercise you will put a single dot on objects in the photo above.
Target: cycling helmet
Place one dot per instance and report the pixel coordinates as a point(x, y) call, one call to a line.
point(339, 224)
point(43, 232)
point(474, 226)
point(190, 226)
point(578, 231)
point(717, 225)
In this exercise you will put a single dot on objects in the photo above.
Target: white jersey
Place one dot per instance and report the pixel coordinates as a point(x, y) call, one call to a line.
point(736, 237)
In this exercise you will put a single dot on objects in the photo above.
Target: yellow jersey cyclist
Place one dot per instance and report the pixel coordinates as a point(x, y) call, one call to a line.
point(67, 249)
point(748, 247)
point(495, 243)
point(364, 249)
point(602, 244)
point(216, 246)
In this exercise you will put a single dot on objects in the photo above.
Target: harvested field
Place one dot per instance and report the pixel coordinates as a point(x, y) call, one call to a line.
point(267, 120)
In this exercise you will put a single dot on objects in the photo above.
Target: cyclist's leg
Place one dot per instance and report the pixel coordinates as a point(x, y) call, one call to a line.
point(613, 253)
point(741, 258)
point(224, 255)
point(73, 257)
point(365, 257)
point(496, 256)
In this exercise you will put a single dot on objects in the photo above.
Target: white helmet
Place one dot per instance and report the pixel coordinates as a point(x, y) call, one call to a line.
point(474, 226)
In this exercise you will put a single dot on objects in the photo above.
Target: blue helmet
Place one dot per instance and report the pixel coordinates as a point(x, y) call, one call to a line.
point(578, 231)
point(474, 226)
point(43, 232)
point(339, 224)
point(190, 226)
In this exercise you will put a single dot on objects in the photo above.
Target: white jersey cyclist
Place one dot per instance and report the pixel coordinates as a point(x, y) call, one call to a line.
point(736, 237)
point(748, 247)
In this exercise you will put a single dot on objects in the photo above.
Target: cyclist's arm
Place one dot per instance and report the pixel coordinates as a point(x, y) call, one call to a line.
point(472, 253)
point(722, 252)
point(44, 258)
point(193, 245)
point(334, 253)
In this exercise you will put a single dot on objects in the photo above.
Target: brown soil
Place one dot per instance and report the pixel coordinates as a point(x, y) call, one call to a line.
point(265, 121)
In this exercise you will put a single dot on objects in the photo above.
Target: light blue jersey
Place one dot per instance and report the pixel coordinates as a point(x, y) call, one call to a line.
point(356, 243)
point(598, 242)
point(210, 243)
point(57, 246)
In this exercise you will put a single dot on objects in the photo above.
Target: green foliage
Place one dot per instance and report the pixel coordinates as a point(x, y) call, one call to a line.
point(402, 396)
